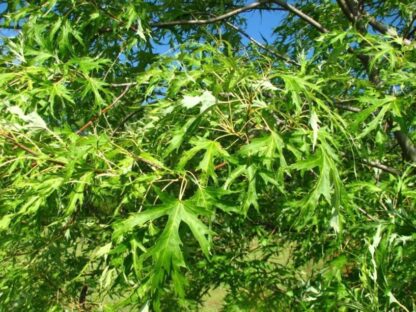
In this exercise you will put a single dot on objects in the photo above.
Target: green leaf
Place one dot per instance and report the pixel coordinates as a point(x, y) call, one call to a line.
point(178, 137)
point(269, 148)
point(213, 150)
point(206, 100)
point(250, 197)
point(140, 218)
point(5, 221)
point(198, 228)
point(76, 197)
point(103, 251)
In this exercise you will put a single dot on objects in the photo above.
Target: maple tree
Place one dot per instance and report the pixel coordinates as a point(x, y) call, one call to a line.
point(282, 172)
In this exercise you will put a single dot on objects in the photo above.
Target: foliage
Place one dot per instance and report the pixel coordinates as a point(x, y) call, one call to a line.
point(283, 172)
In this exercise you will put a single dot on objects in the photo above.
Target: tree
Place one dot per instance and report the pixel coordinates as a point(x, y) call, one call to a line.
point(283, 172)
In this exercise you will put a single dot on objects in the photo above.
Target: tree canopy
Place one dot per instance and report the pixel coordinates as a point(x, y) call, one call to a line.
point(282, 171)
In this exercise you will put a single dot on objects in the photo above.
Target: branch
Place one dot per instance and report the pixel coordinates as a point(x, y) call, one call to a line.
point(406, 144)
point(345, 9)
point(384, 29)
point(353, 14)
point(29, 150)
point(19, 145)
point(363, 58)
point(353, 7)
point(83, 296)
point(259, 44)
point(105, 110)
point(310, 20)
point(248, 7)
point(254, 5)
point(348, 107)
point(123, 84)
point(15, 28)
point(127, 118)
point(410, 35)
point(408, 29)
point(385, 168)
point(400, 137)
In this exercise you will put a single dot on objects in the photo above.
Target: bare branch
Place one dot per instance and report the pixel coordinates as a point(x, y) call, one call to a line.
point(348, 107)
point(302, 15)
point(411, 33)
point(345, 9)
point(380, 27)
point(353, 7)
point(123, 84)
point(406, 144)
point(212, 20)
point(385, 168)
point(408, 30)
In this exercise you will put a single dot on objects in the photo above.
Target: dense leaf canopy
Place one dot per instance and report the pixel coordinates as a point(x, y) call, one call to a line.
point(281, 172)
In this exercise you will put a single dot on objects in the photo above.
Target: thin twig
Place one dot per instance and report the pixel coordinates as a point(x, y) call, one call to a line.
point(122, 84)
point(20, 145)
point(348, 107)
point(278, 55)
point(127, 118)
point(29, 150)
point(105, 110)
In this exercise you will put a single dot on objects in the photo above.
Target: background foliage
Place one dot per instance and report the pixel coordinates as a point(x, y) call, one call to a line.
point(281, 172)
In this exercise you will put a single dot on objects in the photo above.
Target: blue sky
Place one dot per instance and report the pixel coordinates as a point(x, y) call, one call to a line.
point(262, 22)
